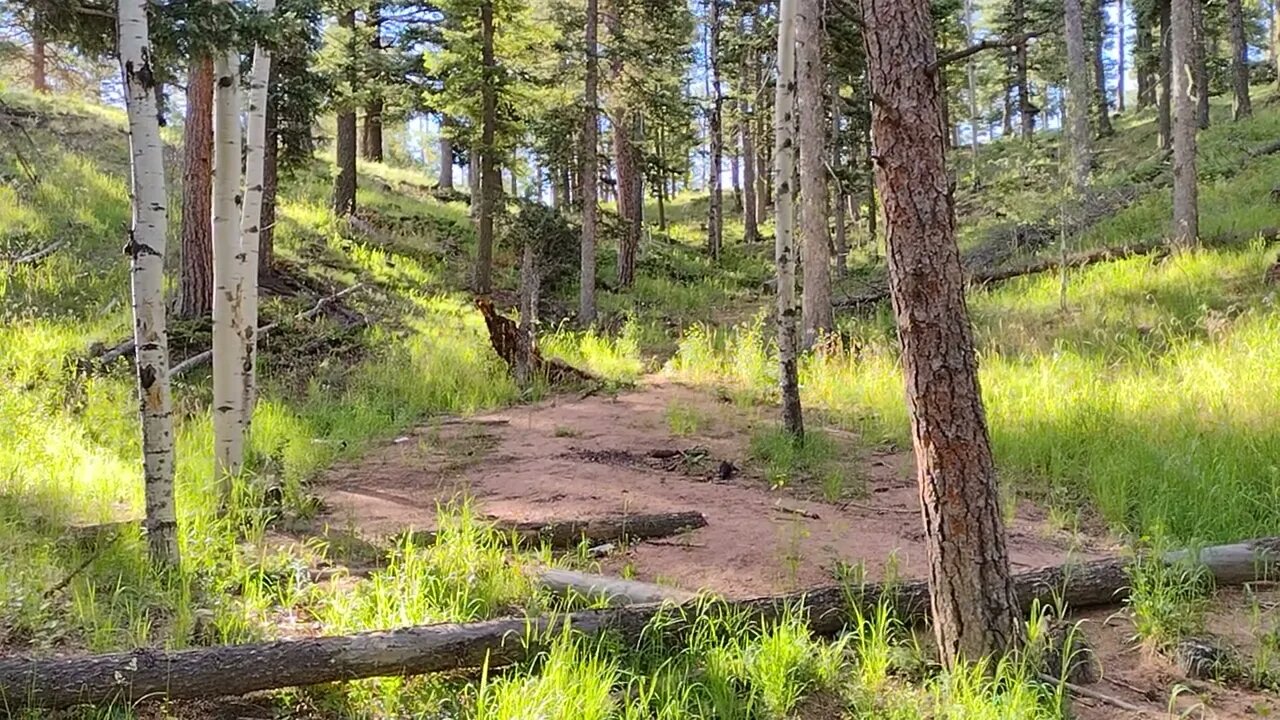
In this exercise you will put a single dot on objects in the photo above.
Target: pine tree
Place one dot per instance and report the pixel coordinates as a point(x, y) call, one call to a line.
point(975, 610)
point(1241, 107)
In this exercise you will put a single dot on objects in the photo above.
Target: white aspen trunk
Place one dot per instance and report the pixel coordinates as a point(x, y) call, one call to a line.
point(146, 252)
point(784, 245)
point(228, 309)
point(250, 224)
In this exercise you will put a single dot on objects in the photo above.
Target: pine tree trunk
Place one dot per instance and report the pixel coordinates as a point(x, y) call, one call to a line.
point(371, 137)
point(146, 252)
point(1102, 107)
point(764, 162)
point(735, 179)
point(746, 109)
point(251, 220)
point(1164, 111)
point(1006, 117)
point(473, 181)
point(490, 182)
point(1120, 50)
point(715, 207)
point(975, 608)
point(841, 238)
point(1026, 109)
point(344, 188)
point(270, 185)
point(195, 278)
point(815, 300)
point(590, 170)
point(1078, 97)
point(971, 71)
point(1144, 56)
point(1186, 228)
point(1241, 107)
point(625, 121)
point(39, 59)
point(784, 108)
point(446, 161)
point(228, 316)
point(1200, 68)
point(371, 134)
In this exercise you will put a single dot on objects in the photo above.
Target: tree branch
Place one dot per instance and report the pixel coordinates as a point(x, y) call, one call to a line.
point(987, 44)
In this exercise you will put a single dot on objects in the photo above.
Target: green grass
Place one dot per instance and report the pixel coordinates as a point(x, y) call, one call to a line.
point(1159, 383)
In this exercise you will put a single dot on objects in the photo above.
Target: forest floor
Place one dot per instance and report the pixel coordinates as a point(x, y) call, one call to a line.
point(1144, 411)
point(575, 458)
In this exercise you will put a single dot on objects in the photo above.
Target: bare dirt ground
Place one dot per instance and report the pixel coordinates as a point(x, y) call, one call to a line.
point(572, 458)
point(578, 458)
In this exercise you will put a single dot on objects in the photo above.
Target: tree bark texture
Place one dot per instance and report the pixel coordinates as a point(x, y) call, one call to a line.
point(344, 187)
point(1199, 66)
point(490, 181)
point(715, 206)
point(251, 221)
point(1026, 109)
point(39, 60)
point(371, 135)
point(1077, 97)
point(446, 160)
point(1186, 223)
point(784, 108)
point(625, 152)
point(1102, 106)
point(974, 606)
point(146, 250)
point(228, 315)
point(1241, 107)
point(1120, 51)
point(815, 300)
point(195, 276)
point(242, 669)
point(746, 112)
point(1145, 57)
point(841, 236)
point(270, 185)
point(1164, 110)
point(590, 160)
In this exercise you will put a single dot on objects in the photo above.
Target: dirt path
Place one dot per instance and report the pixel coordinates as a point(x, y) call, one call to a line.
point(584, 458)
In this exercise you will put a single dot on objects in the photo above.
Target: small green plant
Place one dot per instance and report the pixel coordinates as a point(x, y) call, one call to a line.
point(787, 459)
point(684, 419)
point(1167, 599)
point(564, 431)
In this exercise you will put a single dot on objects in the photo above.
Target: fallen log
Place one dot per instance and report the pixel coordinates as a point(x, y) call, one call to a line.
point(564, 534)
point(36, 255)
point(240, 669)
point(614, 592)
point(204, 357)
point(126, 347)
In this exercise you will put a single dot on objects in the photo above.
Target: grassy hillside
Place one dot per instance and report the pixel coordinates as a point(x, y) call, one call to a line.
point(1150, 401)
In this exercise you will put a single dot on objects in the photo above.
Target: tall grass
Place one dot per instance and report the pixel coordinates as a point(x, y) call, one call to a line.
point(1155, 395)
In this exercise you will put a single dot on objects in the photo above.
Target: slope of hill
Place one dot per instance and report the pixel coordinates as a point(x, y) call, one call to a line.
point(1148, 403)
